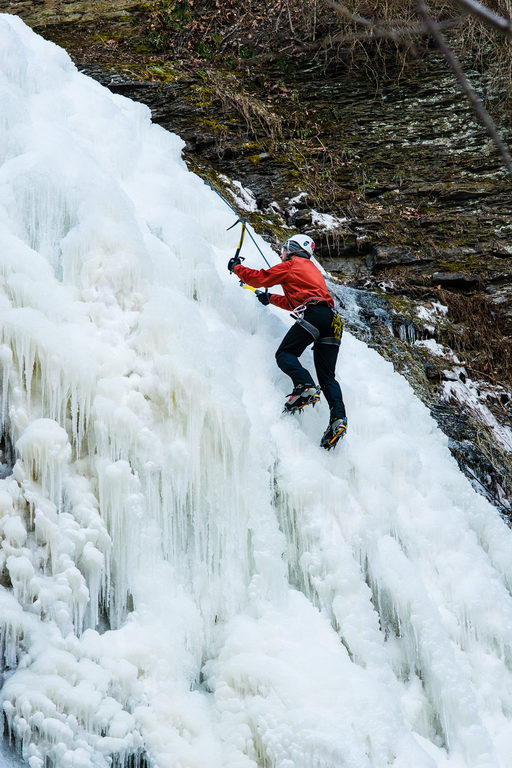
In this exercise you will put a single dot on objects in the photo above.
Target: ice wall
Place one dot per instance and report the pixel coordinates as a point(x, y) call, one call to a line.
point(186, 578)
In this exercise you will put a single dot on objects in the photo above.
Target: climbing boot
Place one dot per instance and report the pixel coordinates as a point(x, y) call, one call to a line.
point(334, 432)
point(302, 395)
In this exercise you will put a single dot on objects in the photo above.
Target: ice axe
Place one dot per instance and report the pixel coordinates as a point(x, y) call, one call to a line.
point(239, 248)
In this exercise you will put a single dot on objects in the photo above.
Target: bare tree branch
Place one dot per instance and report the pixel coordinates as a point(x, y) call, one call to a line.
point(342, 10)
point(402, 33)
point(487, 16)
point(474, 7)
point(381, 29)
point(475, 102)
point(393, 29)
point(343, 38)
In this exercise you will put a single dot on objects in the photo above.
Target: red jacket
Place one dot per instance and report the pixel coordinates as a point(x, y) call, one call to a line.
point(300, 279)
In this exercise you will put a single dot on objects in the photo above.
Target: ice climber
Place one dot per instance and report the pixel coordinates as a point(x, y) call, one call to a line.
point(317, 322)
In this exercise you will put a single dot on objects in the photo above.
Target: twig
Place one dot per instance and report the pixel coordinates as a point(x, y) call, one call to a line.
point(415, 30)
point(487, 16)
point(475, 102)
point(342, 10)
point(485, 375)
point(232, 31)
point(290, 22)
point(388, 27)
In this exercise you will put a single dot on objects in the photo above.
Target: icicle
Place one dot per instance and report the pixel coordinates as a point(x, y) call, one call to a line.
point(122, 508)
point(45, 451)
point(268, 603)
point(5, 363)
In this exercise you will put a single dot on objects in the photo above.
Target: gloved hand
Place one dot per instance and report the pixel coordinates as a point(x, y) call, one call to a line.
point(263, 297)
point(233, 262)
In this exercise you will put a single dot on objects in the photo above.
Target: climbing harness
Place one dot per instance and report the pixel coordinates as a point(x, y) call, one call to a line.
point(298, 312)
point(336, 323)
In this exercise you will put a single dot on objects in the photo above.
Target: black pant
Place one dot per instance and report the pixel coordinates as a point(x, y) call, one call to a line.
point(324, 356)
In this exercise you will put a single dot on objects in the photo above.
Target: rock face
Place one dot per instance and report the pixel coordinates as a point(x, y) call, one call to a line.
point(44, 13)
point(454, 280)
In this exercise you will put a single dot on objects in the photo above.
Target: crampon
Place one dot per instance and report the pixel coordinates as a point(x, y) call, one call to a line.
point(334, 433)
point(302, 395)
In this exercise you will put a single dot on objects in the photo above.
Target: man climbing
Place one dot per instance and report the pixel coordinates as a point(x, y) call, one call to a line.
point(317, 322)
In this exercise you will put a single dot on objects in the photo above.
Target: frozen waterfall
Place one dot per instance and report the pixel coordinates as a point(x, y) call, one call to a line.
point(186, 579)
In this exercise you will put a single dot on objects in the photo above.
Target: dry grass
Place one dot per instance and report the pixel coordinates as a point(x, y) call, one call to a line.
point(257, 115)
point(487, 338)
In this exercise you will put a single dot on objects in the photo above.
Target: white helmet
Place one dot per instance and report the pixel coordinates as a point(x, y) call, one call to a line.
point(298, 243)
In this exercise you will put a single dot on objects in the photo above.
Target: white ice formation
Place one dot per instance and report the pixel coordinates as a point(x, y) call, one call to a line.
point(186, 579)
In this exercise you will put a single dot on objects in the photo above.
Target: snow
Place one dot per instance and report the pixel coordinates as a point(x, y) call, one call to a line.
point(457, 387)
point(243, 197)
point(184, 573)
point(431, 314)
point(439, 350)
point(326, 221)
point(472, 395)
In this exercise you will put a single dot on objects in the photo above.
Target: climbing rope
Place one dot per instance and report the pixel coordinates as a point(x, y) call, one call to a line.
point(245, 226)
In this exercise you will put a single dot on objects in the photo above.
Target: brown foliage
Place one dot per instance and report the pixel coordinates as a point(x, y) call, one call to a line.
point(255, 30)
point(487, 337)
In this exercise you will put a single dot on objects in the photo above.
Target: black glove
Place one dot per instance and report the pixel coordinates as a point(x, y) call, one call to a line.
point(263, 297)
point(233, 262)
